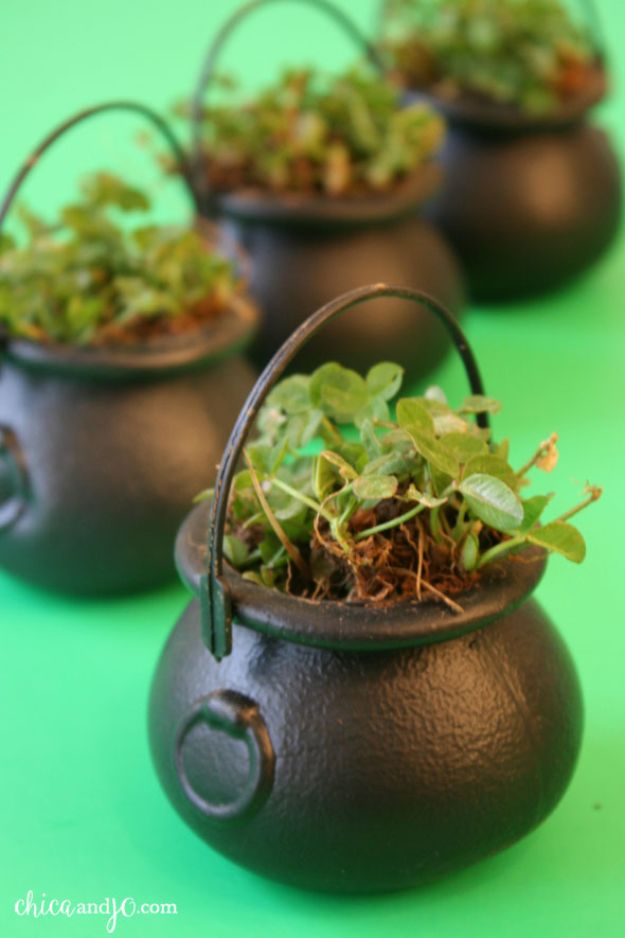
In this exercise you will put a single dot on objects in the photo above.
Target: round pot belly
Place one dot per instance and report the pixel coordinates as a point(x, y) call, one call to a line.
point(295, 268)
point(391, 767)
point(528, 211)
point(112, 468)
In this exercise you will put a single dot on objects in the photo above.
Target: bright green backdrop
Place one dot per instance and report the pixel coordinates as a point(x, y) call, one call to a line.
point(82, 815)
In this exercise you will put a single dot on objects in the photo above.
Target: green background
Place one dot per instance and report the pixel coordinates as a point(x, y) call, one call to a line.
point(82, 814)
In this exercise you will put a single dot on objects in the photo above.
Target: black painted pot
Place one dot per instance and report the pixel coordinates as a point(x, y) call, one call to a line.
point(304, 249)
point(102, 449)
point(358, 747)
point(104, 452)
point(527, 204)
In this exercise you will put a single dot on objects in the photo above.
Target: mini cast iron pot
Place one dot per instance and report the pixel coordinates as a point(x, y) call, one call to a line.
point(103, 449)
point(304, 249)
point(527, 203)
point(358, 747)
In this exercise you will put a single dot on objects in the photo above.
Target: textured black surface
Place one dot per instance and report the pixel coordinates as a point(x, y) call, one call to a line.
point(304, 254)
point(391, 767)
point(113, 462)
point(529, 210)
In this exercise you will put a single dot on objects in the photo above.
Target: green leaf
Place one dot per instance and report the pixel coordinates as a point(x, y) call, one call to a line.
point(292, 395)
point(325, 475)
point(103, 189)
point(375, 409)
point(492, 501)
point(413, 413)
point(345, 469)
point(561, 538)
point(479, 404)
point(374, 488)
point(449, 423)
point(532, 510)
point(339, 392)
point(388, 464)
point(464, 446)
point(384, 380)
point(434, 452)
point(470, 552)
point(235, 550)
point(490, 465)
point(370, 440)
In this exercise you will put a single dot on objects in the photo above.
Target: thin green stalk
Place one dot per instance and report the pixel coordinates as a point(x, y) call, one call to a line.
point(393, 523)
point(327, 424)
point(500, 549)
point(290, 548)
point(594, 491)
point(304, 499)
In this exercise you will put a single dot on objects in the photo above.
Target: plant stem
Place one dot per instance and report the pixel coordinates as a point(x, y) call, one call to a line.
point(500, 549)
point(290, 548)
point(594, 492)
point(304, 499)
point(393, 523)
point(327, 424)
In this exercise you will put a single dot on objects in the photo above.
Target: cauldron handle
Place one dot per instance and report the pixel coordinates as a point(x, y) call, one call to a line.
point(239, 718)
point(134, 106)
point(215, 600)
point(10, 449)
point(207, 76)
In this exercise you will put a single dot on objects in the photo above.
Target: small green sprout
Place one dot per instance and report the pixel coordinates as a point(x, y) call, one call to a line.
point(528, 53)
point(87, 278)
point(311, 132)
point(339, 499)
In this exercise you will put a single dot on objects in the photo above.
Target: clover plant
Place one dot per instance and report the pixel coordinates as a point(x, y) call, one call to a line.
point(86, 277)
point(310, 132)
point(339, 499)
point(528, 53)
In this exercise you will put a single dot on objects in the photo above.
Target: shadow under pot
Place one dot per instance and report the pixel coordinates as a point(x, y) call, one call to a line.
point(103, 450)
point(528, 203)
point(358, 747)
point(303, 250)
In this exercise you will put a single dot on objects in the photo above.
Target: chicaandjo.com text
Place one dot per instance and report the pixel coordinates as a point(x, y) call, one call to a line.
point(111, 908)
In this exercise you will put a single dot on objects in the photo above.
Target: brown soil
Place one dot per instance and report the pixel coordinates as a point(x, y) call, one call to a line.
point(150, 328)
point(403, 562)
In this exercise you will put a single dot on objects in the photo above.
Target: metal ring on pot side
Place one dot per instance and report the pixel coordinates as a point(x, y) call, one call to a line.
point(207, 76)
point(237, 716)
point(216, 595)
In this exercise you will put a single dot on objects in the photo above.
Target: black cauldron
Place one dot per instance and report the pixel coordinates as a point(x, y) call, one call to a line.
point(304, 249)
point(359, 747)
point(103, 449)
point(527, 203)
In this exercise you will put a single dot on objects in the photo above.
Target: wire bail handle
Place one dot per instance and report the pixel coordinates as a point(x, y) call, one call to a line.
point(134, 106)
point(215, 599)
point(10, 449)
point(208, 73)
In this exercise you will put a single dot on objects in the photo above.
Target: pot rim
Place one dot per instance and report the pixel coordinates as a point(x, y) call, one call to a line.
point(223, 337)
point(360, 626)
point(492, 115)
point(257, 204)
